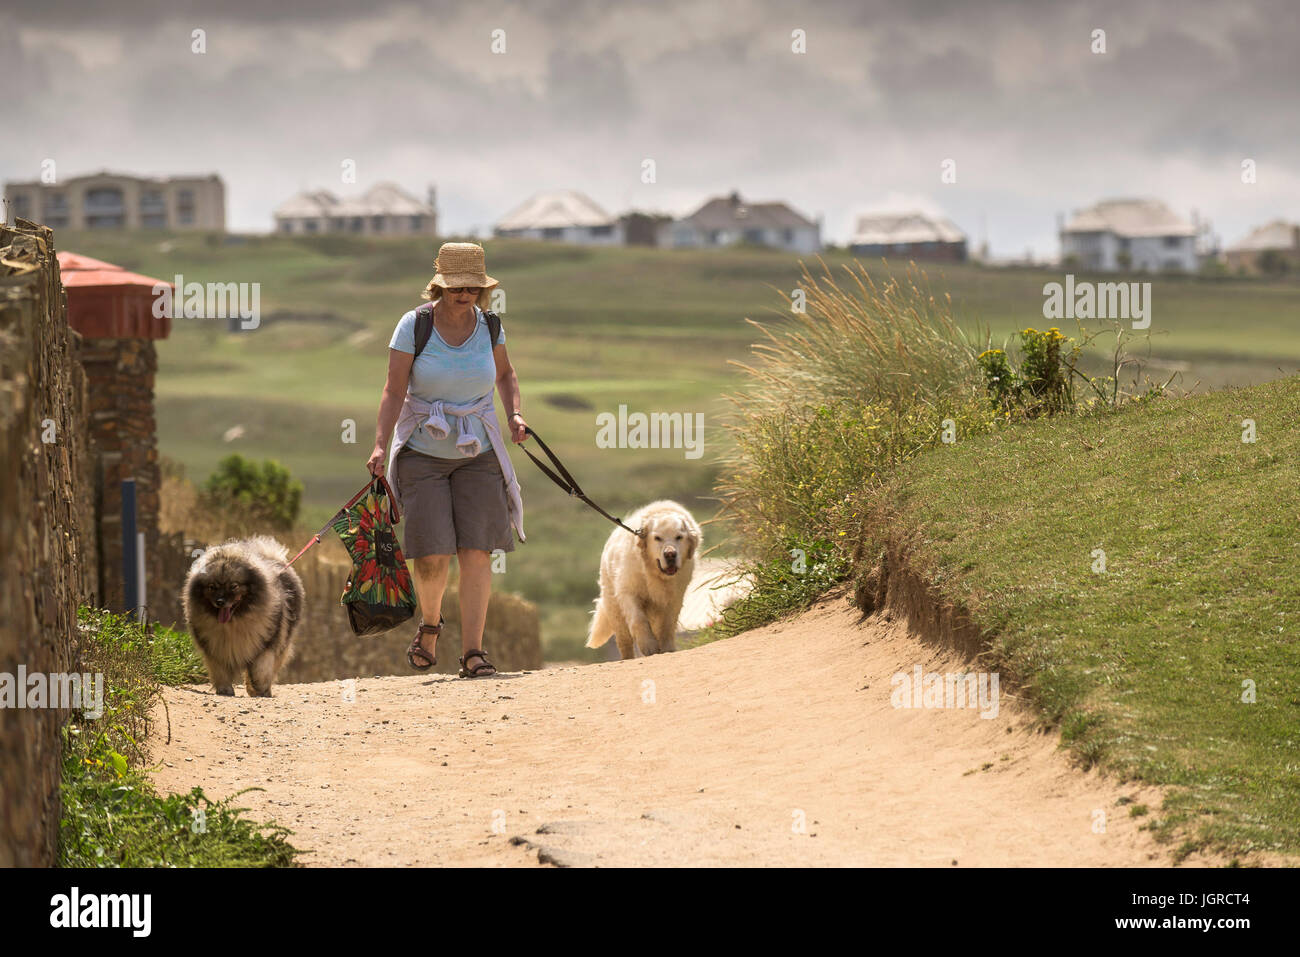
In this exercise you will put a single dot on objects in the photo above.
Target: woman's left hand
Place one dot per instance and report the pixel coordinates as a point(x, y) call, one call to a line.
point(517, 425)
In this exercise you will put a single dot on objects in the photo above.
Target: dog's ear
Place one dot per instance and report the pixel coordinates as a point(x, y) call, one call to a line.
point(694, 536)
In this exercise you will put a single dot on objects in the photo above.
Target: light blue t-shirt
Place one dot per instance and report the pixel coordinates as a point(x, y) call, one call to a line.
point(463, 373)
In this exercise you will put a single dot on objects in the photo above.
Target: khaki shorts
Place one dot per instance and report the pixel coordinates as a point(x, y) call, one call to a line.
point(452, 503)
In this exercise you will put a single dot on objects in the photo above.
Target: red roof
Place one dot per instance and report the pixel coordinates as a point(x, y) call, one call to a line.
point(106, 301)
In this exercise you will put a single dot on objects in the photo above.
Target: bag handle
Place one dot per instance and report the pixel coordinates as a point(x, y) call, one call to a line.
point(381, 487)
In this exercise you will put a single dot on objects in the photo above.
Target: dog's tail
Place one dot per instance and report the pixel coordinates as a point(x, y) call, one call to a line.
point(602, 629)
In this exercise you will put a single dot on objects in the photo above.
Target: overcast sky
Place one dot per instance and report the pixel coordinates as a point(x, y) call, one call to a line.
point(1036, 123)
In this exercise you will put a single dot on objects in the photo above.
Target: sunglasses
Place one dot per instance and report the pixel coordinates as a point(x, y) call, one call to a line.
point(460, 289)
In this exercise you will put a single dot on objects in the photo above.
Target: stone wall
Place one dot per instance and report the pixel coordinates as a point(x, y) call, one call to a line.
point(47, 532)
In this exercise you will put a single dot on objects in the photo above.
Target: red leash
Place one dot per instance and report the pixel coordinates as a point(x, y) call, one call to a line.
point(375, 481)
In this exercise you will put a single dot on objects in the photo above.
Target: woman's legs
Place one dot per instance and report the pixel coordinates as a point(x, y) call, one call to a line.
point(431, 572)
point(430, 583)
point(475, 590)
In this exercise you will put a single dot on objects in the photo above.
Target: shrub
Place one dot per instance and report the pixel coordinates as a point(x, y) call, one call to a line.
point(256, 493)
point(1044, 383)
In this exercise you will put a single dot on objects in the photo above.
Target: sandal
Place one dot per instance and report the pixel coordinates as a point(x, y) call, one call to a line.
point(478, 670)
point(431, 657)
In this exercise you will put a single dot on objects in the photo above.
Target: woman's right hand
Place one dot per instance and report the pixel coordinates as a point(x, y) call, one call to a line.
point(376, 462)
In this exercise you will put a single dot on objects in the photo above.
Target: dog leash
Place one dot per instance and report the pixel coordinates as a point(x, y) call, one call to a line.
point(377, 483)
point(571, 486)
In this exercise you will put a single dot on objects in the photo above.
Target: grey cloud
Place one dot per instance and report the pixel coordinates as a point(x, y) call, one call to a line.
point(1009, 88)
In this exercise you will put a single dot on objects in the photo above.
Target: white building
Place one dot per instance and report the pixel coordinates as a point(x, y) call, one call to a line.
point(383, 210)
point(1130, 234)
point(564, 216)
point(729, 219)
point(913, 235)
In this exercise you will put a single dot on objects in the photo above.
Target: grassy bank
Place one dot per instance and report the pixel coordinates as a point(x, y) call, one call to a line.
point(1125, 555)
point(1133, 574)
point(112, 817)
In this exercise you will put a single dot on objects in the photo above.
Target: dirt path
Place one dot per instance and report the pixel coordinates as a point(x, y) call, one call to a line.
point(704, 757)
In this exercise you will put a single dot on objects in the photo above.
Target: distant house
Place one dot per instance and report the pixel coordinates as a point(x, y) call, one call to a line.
point(1272, 248)
point(563, 216)
point(1138, 234)
point(107, 200)
point(908, 236)
point(728, 219)
point(383, 210)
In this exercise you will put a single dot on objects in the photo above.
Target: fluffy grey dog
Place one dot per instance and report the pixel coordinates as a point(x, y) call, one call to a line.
point(243, 604)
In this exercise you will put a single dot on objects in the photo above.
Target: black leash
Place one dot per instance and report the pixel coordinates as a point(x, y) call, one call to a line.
point(571, 486)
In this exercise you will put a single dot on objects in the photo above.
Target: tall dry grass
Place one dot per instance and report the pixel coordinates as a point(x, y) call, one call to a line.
point(893, 345)
point(860, 379)
point(863, 377)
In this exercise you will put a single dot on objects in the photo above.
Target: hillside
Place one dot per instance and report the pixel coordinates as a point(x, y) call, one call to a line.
point(1134, 575)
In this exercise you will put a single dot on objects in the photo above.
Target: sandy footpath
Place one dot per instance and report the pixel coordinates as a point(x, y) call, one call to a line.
point(709, 756)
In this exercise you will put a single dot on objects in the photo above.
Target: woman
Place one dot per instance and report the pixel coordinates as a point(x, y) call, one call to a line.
point(456, 489)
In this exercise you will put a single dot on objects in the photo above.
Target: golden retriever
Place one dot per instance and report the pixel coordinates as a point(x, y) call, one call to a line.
point(643, 580)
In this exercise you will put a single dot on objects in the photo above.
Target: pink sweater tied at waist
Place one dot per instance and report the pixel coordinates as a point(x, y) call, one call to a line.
point(432, 416)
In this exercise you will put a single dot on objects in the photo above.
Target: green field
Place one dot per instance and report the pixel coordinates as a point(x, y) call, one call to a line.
point(587, 330)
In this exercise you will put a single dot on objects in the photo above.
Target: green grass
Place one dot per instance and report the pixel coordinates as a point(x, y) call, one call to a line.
point(1144, 666)
point(112, 817)
point(655, 329)
point(169, 655)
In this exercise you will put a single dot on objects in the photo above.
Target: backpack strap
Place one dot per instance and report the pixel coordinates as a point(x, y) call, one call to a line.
point(424, 326)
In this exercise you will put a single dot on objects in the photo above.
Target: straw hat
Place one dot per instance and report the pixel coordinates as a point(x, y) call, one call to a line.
point(457, 265)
